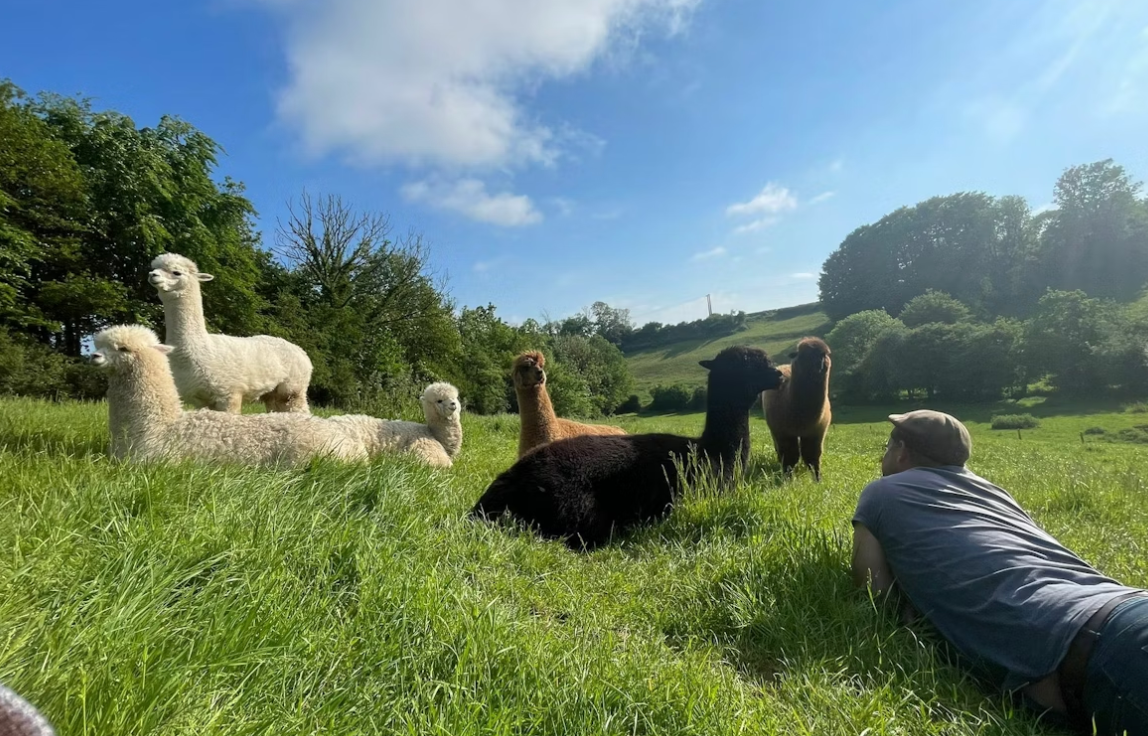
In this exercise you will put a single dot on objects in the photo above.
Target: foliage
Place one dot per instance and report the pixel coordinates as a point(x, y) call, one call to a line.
point(632, 405)
point(675, 398)
point(934, 307)
point(655, 334)
point(1015, 421)
point(29, 368)
point(993, 254)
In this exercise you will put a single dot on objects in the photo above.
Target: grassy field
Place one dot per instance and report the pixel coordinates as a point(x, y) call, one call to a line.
point(775, 332)
point(191, 599)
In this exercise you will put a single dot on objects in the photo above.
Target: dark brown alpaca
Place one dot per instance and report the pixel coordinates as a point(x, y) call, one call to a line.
point(798, 412)
point(540, 425)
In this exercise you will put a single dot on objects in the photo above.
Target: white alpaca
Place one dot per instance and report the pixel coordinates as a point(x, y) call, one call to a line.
point(435, 442)
point(221, 371)
point(147, 421)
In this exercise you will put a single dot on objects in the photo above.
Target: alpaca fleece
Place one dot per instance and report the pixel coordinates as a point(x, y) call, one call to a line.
point(222, 372)
point(798, 412)
point(433, 443)
point(540, 425)
point(584, 489)
point(147, 421)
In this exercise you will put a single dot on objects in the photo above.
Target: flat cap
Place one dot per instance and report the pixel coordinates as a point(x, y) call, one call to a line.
point(940, 437)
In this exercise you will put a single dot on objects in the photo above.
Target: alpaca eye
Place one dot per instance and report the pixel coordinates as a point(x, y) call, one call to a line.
point(122, 349)
point(176, 273)
point(440, 401)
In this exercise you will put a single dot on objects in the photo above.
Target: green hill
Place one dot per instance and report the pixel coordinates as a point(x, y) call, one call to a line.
point(776, 331)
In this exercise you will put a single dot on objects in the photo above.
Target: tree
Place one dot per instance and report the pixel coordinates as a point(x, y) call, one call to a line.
point(851, 339)
point(934, 306)
point(612, 324)
point(1097, 238)
point(1062, 336)
point(365, 306)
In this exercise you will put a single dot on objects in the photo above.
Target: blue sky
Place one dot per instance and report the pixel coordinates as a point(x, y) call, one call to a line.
point(640, 152)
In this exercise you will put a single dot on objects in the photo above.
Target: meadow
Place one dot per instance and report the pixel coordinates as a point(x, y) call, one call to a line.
point(197, 599)
point(776, 332)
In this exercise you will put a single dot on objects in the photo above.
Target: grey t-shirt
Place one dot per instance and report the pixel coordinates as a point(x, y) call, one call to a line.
point(994, 584)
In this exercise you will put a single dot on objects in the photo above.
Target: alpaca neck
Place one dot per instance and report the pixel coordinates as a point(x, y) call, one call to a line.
point(183, 317)
point(142, 402)
point(535, 411)
point(725, 437)
point(448, 433)
point(809, 391)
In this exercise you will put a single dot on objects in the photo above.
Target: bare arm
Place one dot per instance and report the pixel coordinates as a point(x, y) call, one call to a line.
point(869, 564)
point(870, 568)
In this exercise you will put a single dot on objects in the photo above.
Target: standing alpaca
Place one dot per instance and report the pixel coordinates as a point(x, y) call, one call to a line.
point(221, 371)
point(798, 412)
point(585, 488)
point(433, 443)
point(147, 421)
point(540, 425)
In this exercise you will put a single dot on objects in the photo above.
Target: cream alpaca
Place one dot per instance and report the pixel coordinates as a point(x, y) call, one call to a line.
point(434, 443)
point(147, 421)
point(221, 371)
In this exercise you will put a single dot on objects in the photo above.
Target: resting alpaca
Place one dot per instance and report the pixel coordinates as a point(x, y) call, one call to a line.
point(540, 425)
point(222, 371)
point(433, 443)
point(584, 488)
point(798, 412)
point(147, 421)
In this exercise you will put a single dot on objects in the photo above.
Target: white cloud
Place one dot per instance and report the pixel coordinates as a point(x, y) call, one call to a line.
point(822, 197)
point(773, 199)
point(706, 255)
point(443, 82)
point(803, 275)
point(470, 198)
point(758, 224)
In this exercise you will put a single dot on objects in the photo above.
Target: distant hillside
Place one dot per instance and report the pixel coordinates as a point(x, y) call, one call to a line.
point(776, 331)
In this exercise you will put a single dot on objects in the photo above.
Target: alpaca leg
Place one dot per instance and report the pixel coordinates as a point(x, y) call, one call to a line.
point(292, 400)
point(232, 404)
point(788, 453)
point(811, 449)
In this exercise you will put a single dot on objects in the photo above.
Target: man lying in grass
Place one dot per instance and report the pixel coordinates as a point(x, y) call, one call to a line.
point(1010, 598)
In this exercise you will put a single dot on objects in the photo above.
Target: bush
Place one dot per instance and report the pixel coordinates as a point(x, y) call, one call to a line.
point(698, 400)
point(1095, 430)
point(671, 398)
point(1015, 421)
point(631, 405)
point(1140, 407)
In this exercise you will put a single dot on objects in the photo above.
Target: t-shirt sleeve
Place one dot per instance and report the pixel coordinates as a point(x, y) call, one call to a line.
point(870, 506)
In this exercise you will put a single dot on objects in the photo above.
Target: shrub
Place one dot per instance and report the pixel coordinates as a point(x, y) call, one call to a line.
point(671, 398)
point(1095, 430)
point(698, 400)
point(631, 405)
point(1015, 421)
point(1140, 407)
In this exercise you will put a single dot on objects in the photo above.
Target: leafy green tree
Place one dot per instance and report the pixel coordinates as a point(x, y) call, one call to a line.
point(934, 306)
point(601, 367)
point(1062, 336)
point(1096, 240)
point(611, 323)
point(850, 341)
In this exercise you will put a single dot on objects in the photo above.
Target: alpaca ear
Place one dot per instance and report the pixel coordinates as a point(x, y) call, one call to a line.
point(205, 277)
point(707, 364)
point(165, 349)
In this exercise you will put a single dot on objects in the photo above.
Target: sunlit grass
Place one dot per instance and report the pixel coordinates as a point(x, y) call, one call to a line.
point(192, 599)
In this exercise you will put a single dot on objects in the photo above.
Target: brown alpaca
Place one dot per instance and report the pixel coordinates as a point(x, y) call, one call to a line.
point(540, 425)
point(798, 412)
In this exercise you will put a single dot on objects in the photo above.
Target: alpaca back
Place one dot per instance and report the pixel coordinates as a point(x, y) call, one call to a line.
point(259, 439)
point(585, 487)
point(252, 366)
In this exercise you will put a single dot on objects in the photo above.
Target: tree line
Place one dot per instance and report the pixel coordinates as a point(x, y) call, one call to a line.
point(975, 297)
point(87, 199)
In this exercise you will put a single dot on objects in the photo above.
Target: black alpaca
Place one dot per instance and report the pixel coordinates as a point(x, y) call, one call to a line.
point(585, 488)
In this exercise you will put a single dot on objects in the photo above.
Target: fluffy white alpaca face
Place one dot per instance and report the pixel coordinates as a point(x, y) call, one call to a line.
point(443, 398)
point(174, 274)
point(119, 347)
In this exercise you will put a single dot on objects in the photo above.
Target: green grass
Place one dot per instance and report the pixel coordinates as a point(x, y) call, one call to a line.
point(777, 334)
point(196, 599)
